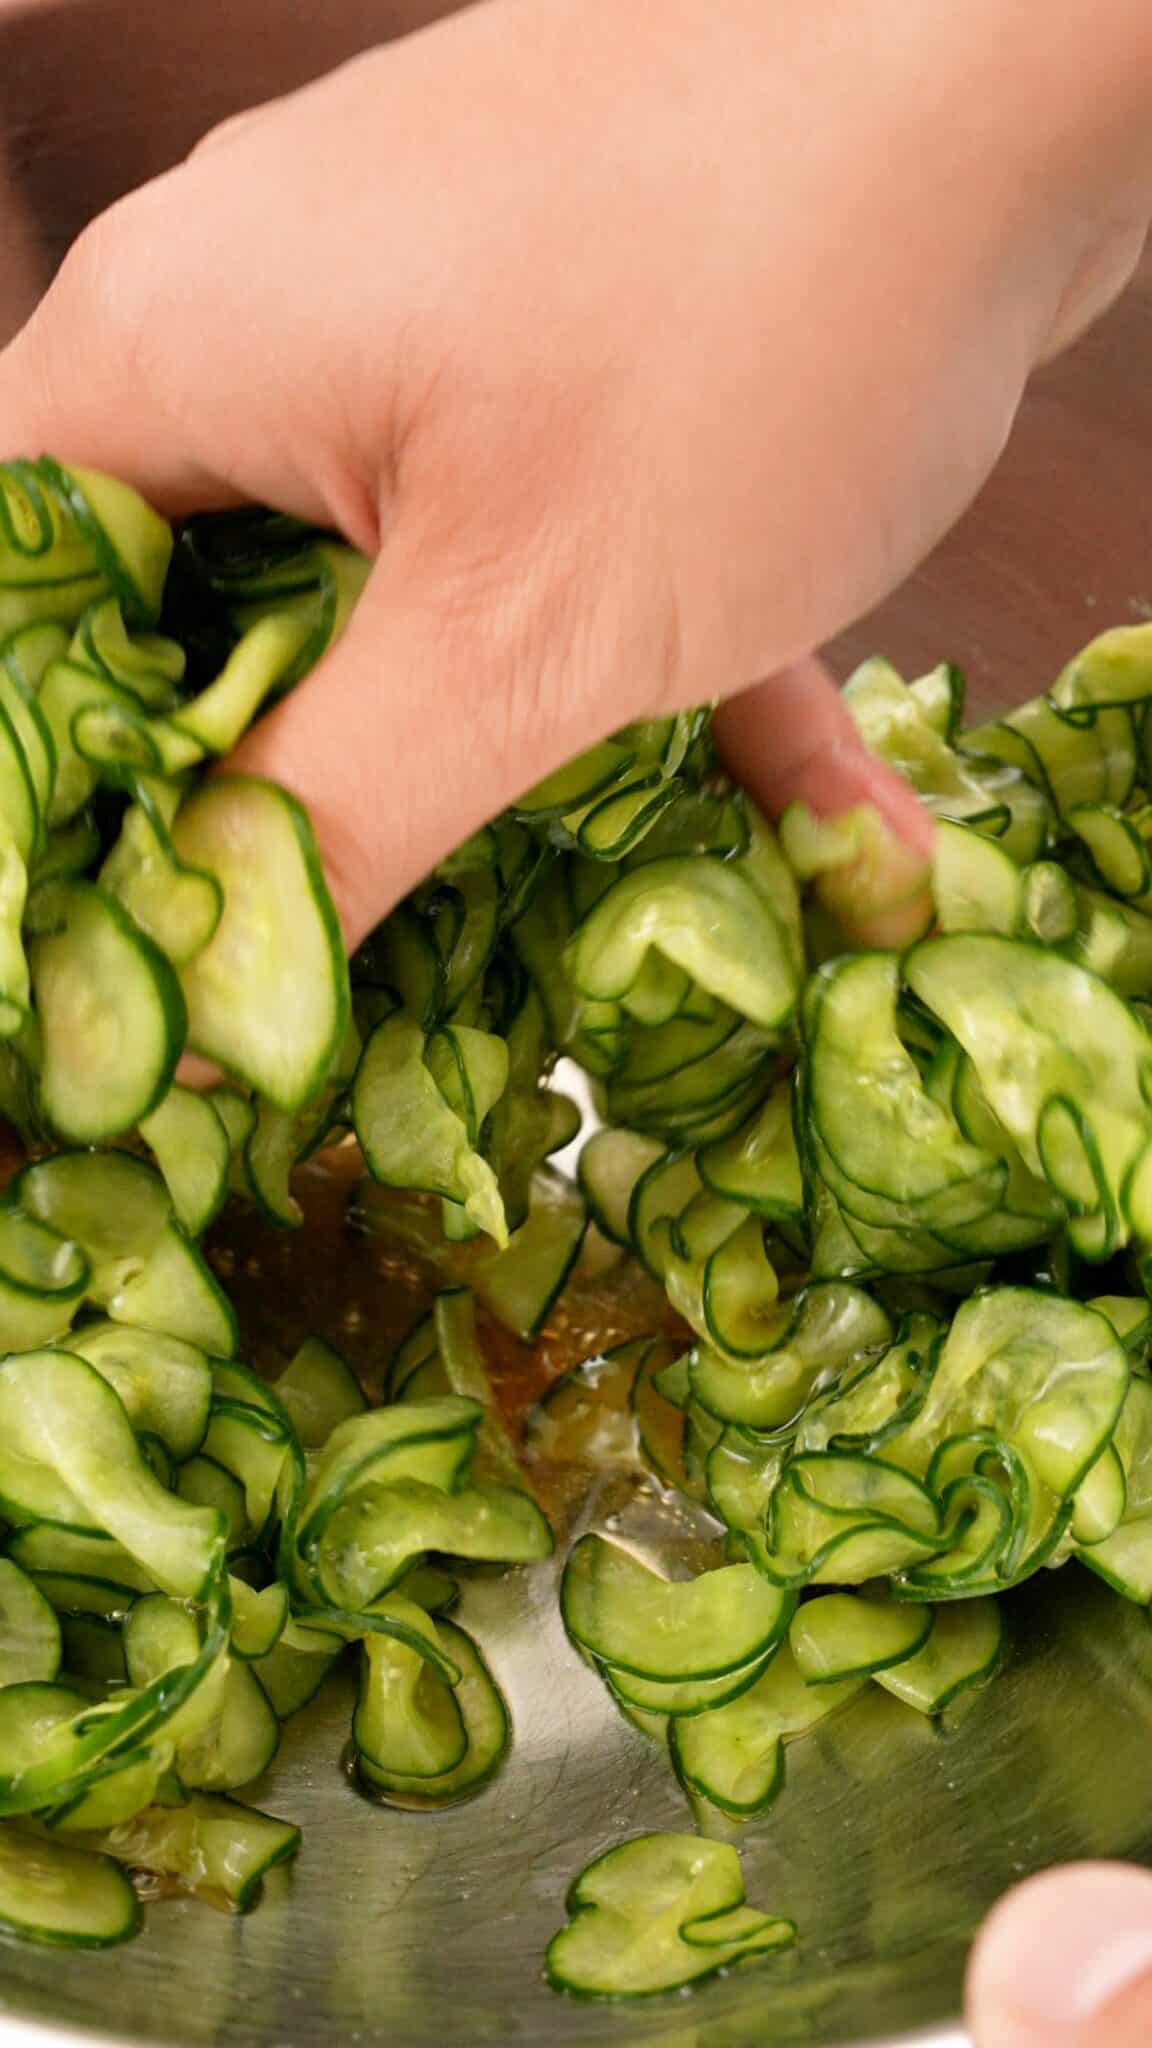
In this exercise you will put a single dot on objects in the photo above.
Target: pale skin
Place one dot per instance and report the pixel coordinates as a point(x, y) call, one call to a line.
point(644, 348)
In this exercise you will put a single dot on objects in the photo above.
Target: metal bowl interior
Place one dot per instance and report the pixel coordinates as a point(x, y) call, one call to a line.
point(889, 1843)
point(893, 1838)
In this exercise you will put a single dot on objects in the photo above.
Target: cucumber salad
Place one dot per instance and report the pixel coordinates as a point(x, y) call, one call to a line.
point(894, 1210)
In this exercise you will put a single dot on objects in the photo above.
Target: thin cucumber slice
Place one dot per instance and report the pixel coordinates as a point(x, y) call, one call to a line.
point(205, 1484)
point(1040, 1031)
point(212, 1845)
point(939, 699)
point(466, 1372)
point(381, 1532)
point(1114, 669)
point(228, 1733)
point(733, 1757)
point(1051, 911)
point(487, 1728)
point(656, 1914)
point(1045, 1374)
point(131, 543)
point(144, 1271)
point(178, 907)
point(292, 1673)
point(977, 885)
point(628, 1616)
point(70, 1558)
point(586, 1416)
point(431, 1441)
point(1124, 1560)
point(238, 1116)
point(1130, 1317)
point(871, 1111)
point(588, 776)
point(842, 1636)
point(416, 1371)
point(66, 1897)
point(30, 1645)
point(737, 1293)
point(520, 1284)
point(758, 1165)
point(407, 1722)
point(191, 1148)
point(67, 1439)
point(611, 1164)
point(841, 1518)
point(251, 1436)
point(319, 1390)
point(411, 1135)
point(164, 1384)
point(963, 1650)
point(110, 1011)
point(686, 1696)
point(704, 917)
point(43, 1280)
point(268, 995)
point(827, 1328)
point(24, 660)
point(661, 1194)
point(258, 1618)
point(1101, 1499)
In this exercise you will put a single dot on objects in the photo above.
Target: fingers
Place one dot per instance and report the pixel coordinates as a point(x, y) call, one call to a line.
point(1066, 1962)
point(150, 358)
point(791, 740)
point(78, 381)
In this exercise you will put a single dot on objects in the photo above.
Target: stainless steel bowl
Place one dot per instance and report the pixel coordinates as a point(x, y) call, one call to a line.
point(892, 1839)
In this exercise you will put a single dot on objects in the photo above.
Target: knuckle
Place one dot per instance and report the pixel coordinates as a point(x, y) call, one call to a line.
point(224, 134)
point(106, 286)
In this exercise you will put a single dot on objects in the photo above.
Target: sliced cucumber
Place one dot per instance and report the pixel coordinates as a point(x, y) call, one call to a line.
point(658, 1913)
point(733, 1757)
point(192, 1151)
point(520, 1284)
point(29, 1631)
point(144, 1271)
point(69, 1898)
point(319, 1390)
point(110, 1011)
point(268, 995)
point(68, 1444)
point(842, 1636)
point(381, 1532)
point(621, 1612)
point(611, 1164)
point(211, 1845)
point(962, 1650)
point(487, 1729)
point(407, 1722)
point(164, 1384)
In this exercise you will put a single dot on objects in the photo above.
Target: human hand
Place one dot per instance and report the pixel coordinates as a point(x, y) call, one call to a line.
point(646, 348)
point(1066, 1962)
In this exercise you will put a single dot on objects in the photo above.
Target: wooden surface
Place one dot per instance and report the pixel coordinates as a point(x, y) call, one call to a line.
point(96, 95)
point(1059, 544)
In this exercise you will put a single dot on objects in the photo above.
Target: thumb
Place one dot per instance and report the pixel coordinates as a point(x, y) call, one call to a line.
point(1065, 1961)
point(792, 740)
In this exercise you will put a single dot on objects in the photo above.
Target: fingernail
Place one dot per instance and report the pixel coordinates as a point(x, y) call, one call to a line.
point(876, 886)
point(1057, 1954)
